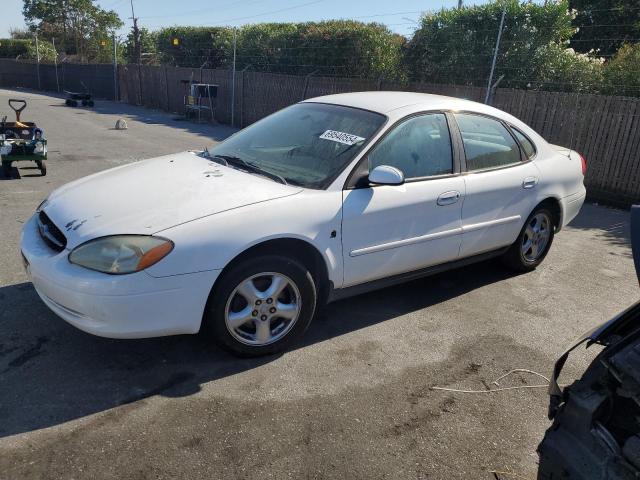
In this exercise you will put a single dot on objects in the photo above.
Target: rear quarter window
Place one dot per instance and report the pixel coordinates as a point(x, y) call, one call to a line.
point(527, 145)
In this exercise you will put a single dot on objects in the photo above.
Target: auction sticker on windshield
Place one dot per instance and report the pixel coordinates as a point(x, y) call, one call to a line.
point(341, 137)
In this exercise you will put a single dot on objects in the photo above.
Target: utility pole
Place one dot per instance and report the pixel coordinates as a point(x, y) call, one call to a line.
point(137, 50)
point(233, 80)
point(495, 56)
point(38, 61)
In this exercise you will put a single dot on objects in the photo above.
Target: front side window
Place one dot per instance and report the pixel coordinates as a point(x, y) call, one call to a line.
point(307, 144)
point(487, 143)
point(419, 147)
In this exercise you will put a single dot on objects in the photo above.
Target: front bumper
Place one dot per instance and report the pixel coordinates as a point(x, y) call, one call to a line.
point(116, 306)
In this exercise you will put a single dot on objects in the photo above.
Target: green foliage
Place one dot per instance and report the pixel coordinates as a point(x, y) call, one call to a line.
point(77, 25)
point(622, 73)
point(149, 44)
point(555, 67)
point(345, 48)
point(197, 46)
point(25, 49)
point(339, 47)
point(457, 45)
point(603, 26)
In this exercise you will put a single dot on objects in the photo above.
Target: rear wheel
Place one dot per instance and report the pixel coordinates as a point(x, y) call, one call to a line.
point(261, 305)
point(533, 243)
point(42, 165)
point(6, 170)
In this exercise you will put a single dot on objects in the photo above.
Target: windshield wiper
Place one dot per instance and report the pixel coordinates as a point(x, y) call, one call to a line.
point(250, 167)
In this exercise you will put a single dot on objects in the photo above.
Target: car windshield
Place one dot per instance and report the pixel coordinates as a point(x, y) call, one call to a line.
point(307, 144)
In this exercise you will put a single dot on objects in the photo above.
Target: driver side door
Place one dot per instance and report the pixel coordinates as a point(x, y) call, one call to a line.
point(392, 229)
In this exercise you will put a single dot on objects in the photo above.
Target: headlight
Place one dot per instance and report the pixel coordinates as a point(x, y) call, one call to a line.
point(42, 205)
point(120, 254)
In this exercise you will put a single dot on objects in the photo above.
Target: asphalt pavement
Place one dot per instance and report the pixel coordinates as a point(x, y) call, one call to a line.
point(352, 400)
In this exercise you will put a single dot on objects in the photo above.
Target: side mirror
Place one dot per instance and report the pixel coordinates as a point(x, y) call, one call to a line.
point(386, 175)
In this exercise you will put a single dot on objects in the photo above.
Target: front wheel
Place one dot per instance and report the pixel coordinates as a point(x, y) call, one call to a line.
point(261, 305)
point(42, 166)
point(533, 243)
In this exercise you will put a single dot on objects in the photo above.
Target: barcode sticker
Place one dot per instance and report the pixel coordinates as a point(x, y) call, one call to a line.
point(341, 137)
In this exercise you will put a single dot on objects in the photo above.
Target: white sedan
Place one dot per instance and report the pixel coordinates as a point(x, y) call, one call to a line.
point(327, 198)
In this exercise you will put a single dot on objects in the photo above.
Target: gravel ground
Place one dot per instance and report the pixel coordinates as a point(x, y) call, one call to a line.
point(352, 400)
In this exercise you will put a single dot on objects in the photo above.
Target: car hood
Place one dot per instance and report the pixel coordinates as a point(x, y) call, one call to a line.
point(622, 325)
point(152, 195)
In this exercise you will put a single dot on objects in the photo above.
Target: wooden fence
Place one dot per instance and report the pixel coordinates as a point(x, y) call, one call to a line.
point(605, 129)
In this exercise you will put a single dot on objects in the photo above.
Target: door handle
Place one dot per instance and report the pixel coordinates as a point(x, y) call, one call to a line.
point(448, 198)
point(529, 182)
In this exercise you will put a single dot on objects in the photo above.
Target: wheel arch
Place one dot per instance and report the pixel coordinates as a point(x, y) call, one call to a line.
point(302, 250)
point(554, 205)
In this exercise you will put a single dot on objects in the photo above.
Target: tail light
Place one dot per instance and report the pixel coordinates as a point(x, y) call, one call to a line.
point(584, 165)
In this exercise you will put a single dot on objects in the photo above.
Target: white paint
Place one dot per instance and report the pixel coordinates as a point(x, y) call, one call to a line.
point(213, 213)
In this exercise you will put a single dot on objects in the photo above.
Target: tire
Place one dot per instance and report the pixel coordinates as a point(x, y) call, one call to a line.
point(256, 311)
point(84, 103)
point(90, 103)
point(516, 258)
point(42, 165)
point(7, 171)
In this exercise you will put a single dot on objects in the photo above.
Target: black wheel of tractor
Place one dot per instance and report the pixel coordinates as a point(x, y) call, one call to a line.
point(261, 305)
point(67, 102)
point(42, 165)
point(73, 103)
point(7, 170)
point(84, 103)
point(533, 243)
point(90, 103)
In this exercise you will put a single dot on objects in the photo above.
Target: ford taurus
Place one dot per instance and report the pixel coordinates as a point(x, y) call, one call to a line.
point(324, 199)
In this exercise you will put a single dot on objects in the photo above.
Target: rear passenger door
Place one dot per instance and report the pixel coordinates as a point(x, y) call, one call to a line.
point(500, 184)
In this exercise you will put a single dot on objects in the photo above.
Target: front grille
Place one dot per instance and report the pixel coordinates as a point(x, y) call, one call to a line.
point(50, 233)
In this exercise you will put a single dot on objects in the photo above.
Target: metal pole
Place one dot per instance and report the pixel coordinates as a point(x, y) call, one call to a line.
point(115, 69)
point(55, 61)
point(495, 56)
point(38, 61)
point(233, 81)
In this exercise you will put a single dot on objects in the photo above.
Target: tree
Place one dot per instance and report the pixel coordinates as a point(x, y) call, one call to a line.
point(622, 73)
point(605, 25)
point(79, 26)
point(457, 46)
point(148, 46)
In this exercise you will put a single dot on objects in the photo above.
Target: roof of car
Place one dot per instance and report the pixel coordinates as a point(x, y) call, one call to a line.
point(385, 102)
point(399, 104)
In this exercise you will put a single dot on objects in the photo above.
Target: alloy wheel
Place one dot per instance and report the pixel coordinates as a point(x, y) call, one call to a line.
point(263, 308)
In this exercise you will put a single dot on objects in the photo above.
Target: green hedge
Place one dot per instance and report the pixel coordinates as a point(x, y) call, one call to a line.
point(341, 47)
point(26, 49)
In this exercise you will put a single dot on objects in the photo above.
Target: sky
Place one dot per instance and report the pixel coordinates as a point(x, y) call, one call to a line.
point(399, 15)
